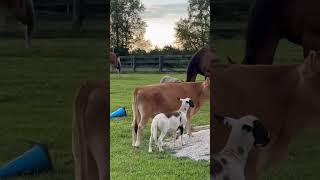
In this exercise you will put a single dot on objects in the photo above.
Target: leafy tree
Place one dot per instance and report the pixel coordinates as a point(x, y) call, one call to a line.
point(126, 24)
point(192, 33)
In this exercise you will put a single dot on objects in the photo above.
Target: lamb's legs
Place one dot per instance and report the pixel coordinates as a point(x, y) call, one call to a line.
point(160, 141)
point(182, 143)
point(150, 143)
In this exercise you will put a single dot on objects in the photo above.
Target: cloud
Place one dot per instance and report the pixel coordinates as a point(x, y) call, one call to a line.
point(161, 11)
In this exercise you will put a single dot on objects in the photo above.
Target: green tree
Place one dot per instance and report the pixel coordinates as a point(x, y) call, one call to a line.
point(193, 32)
point(126, 24)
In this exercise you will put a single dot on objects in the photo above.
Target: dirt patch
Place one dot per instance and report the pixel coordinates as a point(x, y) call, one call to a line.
point(196, 147)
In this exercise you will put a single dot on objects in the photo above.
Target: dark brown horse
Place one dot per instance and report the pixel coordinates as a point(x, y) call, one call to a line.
point(272, 20)
point(200, 64)
point(23, 10)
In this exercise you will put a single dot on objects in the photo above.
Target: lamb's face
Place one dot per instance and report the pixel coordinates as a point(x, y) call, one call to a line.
point(186, 102)
point(248, 129)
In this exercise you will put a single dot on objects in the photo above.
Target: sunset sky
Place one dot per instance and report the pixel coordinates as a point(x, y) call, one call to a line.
point(161, 16)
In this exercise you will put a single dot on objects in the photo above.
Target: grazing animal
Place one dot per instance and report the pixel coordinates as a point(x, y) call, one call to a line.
point(167, 79)
point(89, 131)
point(23, 10)
point(147, 101)
point(284, 97)
point(115, 62)
point(269, 21)
point(246, 133)
point(167, 122)
point(200, 64)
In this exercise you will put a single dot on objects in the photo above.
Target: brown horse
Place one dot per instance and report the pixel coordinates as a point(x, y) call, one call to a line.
point(115, 62)
point(200, 64)
point(270, 21)
point(23, 10)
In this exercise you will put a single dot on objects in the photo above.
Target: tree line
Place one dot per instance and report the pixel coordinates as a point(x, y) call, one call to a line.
point(127, 28)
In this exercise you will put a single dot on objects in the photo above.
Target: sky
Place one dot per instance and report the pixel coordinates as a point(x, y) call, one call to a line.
point(161, 16)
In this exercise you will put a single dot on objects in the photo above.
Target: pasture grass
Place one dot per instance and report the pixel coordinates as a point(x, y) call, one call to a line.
point(304, 151)
point(38, 86)
point(131, 163)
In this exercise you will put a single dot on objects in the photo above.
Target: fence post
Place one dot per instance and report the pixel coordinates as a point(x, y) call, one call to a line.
point(134, 64)
point(160, 63)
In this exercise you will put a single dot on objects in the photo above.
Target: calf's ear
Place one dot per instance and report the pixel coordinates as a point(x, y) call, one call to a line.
point(178, 98)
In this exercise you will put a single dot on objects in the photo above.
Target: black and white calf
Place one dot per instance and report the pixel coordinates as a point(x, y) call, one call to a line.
point(246, 132)
point(168, 122)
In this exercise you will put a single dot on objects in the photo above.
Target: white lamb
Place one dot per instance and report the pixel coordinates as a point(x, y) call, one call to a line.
point(168, 122)
point(246, 132)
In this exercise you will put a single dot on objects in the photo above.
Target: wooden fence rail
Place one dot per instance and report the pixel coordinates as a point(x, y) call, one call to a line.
point(163, 63)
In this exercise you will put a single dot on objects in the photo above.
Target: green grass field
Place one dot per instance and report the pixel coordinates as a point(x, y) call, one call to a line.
point(38, 86)
point(130, 163)
point(304, 152)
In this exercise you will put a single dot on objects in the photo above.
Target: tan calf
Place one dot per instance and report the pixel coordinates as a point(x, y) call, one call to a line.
point(285, 98)
point(147, 101)
point(89, 131)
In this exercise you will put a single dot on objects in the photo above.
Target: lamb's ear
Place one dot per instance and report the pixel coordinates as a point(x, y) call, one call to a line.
point(228, 121)
point(178, 99)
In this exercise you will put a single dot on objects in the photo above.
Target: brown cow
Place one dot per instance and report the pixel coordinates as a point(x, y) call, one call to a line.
point(89, 131)
point(148, 101)
point(285, 98)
